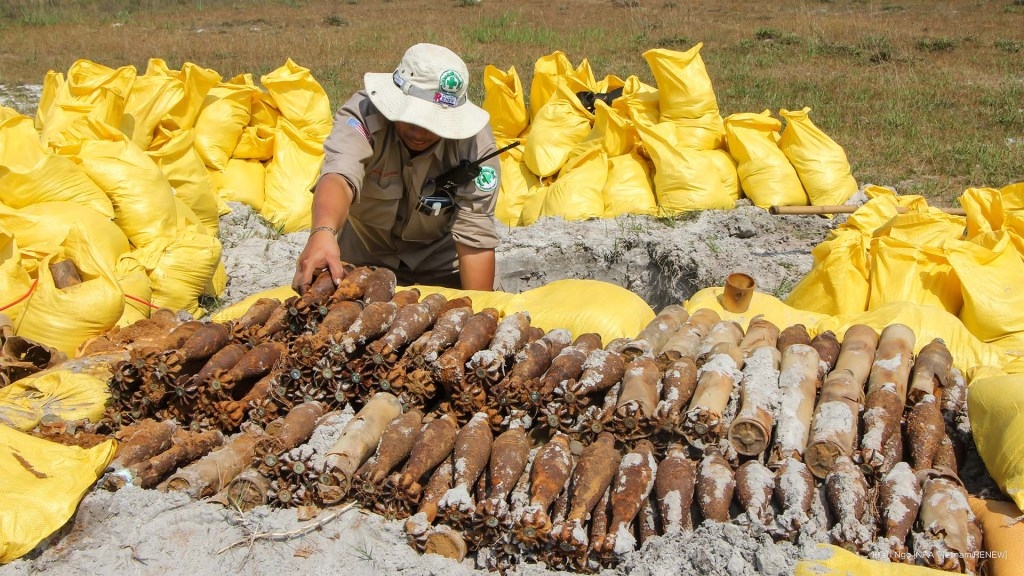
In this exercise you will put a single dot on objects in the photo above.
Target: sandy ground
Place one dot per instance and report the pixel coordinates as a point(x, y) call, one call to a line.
point(136, 531)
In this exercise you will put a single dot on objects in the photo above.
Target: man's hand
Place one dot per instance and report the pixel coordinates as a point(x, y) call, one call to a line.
point(321, 252)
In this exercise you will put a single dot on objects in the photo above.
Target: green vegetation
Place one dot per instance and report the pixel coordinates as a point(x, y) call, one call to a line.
point(915, 102)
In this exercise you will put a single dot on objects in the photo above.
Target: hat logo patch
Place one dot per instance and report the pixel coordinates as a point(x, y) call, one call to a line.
point(451, 82)
point(487, 180)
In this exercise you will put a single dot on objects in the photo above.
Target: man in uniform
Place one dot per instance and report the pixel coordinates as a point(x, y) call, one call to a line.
point(379, 200)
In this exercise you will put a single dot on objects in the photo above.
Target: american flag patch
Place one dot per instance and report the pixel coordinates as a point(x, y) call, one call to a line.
point(359, 127)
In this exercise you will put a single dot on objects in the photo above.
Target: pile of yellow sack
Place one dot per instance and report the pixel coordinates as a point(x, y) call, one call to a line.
point(970, 268)
point(598, 149)
point(126, 175)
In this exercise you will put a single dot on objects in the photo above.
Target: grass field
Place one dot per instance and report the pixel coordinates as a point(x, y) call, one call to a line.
point(927, 97)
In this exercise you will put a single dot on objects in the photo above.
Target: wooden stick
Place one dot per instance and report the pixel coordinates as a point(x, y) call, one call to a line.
point(844, 209)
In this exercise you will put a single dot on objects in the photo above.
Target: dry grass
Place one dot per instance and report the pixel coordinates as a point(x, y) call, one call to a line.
point(924, 96)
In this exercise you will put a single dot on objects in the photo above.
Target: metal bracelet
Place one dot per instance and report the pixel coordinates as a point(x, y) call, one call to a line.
point(319, 228)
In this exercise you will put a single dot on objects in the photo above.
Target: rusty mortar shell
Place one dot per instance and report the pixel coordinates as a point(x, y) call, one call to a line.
point(187, 447)
point(760, 332)
point(794, 494)
point(417, 526)
point(894, 358)
point(246, 491)
point(352, 285)
point(751, 429)
point(754, 486)
point(846, 490)
point(678, 385)
point(798, 390)
point(380, 286)
point(256, 315)
point(835, 425)
point(222, 360)
point(319, 291)
point(601, 370)
point(339, 317)
point(931, 370)
point(827, 346)
point(857, 352)
point(793, 334)
point(204, 342)
point(371, 323)
point(395, 444)
point(657, 332)
point(686, 343)
point(444, 333)
point(450, 367)
point(633, 484)
point(703, 423)
point(925, 430)
point(714, 487)
point(434, 443)
point(568, 364)
point(722, 332)
point(949, 537)
point(673, 490)
point(899, 498)
point(883, 410)
point(407, 297)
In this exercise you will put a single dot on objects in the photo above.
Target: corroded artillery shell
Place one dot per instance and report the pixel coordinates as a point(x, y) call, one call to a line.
point(673, 490)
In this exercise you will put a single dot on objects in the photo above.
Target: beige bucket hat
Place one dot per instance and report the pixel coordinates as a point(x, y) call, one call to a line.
point(428, 89)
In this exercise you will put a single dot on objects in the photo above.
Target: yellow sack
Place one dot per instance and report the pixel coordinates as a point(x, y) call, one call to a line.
point(726, 166)
point(301, 99)
point(638, 102)
point(577, 192)
point(766, 175)
point(238, 309)
point(840, 562)
point(704, 133)
point(583, 306)
point(505, 102)
point(197, 82)
point(43, 484)
point(1003, 535)
point(928, 323)
point(187, 175)
point(533, 204)
point(292, 172)
point(64, 318)
point(256, 143)
point(52, 83)
point(904, 271)
point(91, 90)
point(153, 96)
point(928, 228)
point(684, 179)
point(684, 87)
point(244, 181)
point(218, 282)
point(819, 161)
point(516, 183)
point(142, 197)
point(991, 273)
point(774, 310)
point(629, 189)
point(838, 281)
point(180, 270)
point(224, 115)
point(133, 278)
point(30, 174)
point(613, 132)
point(556, 129)
point(984, 208)
point(264, 111)
point(548, 71)
point(69, 395)
point(995, 406)
point(44, 229)
point(15, 283)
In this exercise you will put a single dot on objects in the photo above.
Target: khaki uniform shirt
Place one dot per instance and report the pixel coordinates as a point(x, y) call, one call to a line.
point(384, 228)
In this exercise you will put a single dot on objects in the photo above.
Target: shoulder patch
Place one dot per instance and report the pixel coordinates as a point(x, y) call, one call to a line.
point(358, 127)
point(487, 180)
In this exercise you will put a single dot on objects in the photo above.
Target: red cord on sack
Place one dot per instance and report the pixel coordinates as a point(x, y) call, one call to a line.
point(23, 297)
point(139, 300)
